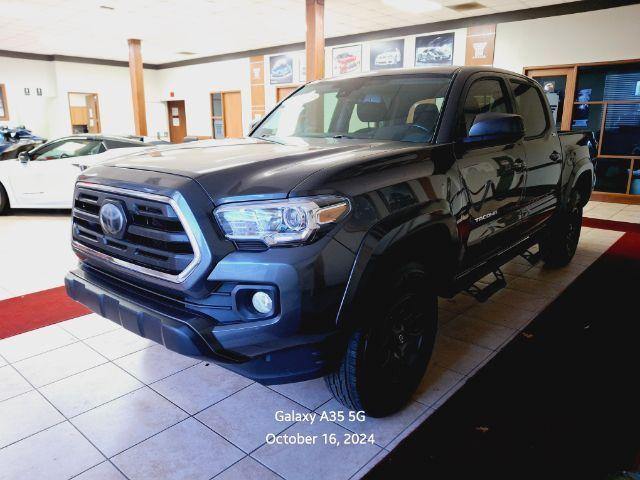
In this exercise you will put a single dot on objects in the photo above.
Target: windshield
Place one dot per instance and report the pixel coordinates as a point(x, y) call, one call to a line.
point(405, 108)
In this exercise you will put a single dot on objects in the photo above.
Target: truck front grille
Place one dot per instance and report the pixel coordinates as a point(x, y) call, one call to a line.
point(154, 238)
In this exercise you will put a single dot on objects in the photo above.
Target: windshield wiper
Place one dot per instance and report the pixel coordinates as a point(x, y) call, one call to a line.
point(272, 139)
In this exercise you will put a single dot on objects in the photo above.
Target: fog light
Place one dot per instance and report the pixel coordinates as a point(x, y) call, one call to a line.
point(262, 302)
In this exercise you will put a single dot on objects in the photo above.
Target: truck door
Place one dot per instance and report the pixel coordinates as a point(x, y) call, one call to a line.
point(544, 153)
point(493, 176)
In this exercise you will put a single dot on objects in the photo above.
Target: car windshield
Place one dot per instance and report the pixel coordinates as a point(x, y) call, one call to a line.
point(404, 108)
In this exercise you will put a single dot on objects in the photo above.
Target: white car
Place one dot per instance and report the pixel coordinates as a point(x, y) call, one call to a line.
point(388, 57)
point(45, 177)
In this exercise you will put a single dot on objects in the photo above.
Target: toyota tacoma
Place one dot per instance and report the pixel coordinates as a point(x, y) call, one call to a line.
point(319, 245)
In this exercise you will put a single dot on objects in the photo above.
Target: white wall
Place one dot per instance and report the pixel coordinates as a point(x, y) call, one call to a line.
point(194, 84)
point(597, 36)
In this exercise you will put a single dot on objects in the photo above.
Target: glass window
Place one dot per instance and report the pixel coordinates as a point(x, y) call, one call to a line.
point(614, 82)
point(484, 96)
point(4, 114)
point(68, 148)
point(216, 100)
point(634, 189)
point(587, 117)
point(554, 88)
point(529, 105)
point(612, 175)
point(395, 107)
point(621, 130)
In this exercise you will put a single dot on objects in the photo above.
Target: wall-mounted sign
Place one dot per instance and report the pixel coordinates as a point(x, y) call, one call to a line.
point(434, 50)
point(387, 54)
point(27, 91)
point(481, 42)
point(280, 69)
point(39, 92)
point(346, 60)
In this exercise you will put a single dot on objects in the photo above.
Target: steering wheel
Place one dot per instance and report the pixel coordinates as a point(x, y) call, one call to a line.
point(420, 127)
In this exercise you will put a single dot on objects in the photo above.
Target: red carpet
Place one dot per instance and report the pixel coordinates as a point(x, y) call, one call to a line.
point(611, 225)
point(35, 310)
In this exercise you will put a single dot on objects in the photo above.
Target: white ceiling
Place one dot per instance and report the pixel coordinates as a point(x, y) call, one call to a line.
point(204, 27)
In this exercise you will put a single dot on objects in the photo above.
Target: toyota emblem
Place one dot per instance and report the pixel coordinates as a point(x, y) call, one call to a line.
point(112, 219)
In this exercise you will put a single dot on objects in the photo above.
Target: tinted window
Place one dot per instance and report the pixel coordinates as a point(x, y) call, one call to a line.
point(529, 105)
point(122, 144)
point(484, 96)
point(68, 148)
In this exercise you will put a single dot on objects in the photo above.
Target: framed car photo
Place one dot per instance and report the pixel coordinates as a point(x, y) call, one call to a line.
point(280, 69)
point(387, 54)
point(346, 60)
point(434, 50)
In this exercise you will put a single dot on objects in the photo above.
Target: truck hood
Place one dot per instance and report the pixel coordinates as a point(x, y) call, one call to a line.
point(244, 169)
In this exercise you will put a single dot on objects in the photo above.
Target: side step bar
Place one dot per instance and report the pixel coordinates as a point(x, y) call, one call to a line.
point(482, 294)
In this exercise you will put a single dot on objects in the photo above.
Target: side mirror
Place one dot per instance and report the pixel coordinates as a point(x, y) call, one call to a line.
point(495, 129)
point(23, 157)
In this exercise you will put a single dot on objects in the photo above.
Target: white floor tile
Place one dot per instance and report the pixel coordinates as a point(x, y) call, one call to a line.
point(247, 469)
point(11, 383)
point(118, 343)
point(407, 431)
point(461, 357)
point(88, 326)
point(104, 471)
point(120, 424)
point(435, 384)
point(35, 342)
point(81, 392)
point(55, 454)
point(154, 363)
point(310, 394)
point(320, 461)
point(25, 415)
point(200, 386)
point(58, 364)
point(473, 330)
point(384, 430)
point(500, 314)
point(188, 451)
point(248, 416)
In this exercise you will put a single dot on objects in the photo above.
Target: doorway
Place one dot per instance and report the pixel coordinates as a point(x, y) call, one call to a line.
point(226, 114)
point(284, 92)
point(84, 110)
point(559, 85)
point(177, 121)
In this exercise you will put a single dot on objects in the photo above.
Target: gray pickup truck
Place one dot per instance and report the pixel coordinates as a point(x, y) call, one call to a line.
point(318, 246)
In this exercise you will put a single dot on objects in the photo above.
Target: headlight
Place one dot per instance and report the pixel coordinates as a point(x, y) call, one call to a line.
point(281, 222)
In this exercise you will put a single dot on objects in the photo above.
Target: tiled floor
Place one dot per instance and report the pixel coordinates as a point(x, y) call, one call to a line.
point(87, 399)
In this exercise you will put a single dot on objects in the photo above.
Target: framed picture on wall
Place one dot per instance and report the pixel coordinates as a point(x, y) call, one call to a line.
point(434, 50)
point(387, 54)
point(280, 69)
point(346, 60)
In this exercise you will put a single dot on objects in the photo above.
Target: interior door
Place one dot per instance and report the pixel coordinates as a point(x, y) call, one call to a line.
point(177, 121)
point(232, 112)
point(494, 176)
point(558, 85)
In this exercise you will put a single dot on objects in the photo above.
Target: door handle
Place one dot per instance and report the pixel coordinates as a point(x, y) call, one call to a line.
point(555, 156)
point(519, 165)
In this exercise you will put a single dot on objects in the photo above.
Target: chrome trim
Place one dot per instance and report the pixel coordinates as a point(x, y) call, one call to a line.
point(181, 277)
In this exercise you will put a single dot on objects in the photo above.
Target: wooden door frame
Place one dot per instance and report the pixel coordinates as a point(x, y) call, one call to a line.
point(97, 108)
point(224, 120)
point(571, 73)
point(5, 103)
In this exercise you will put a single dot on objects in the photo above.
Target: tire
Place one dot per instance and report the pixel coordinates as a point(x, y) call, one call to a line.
point(4, 201)
point(560, 246)
point(385, 360)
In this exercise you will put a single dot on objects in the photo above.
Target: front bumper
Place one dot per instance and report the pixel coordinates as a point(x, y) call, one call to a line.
point(292, 346)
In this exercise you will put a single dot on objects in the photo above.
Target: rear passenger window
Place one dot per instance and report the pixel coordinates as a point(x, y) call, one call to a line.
point(484, 96)
point(529, 105)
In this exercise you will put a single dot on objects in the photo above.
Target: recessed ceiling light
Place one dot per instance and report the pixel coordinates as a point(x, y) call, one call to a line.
point(413, 6)
point(465, 7)
point(107, 7)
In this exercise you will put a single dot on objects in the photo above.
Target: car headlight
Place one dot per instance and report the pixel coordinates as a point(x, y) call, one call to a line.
point(282, 222)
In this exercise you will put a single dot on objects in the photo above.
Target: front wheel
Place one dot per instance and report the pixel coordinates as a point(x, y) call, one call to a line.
point(4, 201)
point(386, 358)
point(560, 246)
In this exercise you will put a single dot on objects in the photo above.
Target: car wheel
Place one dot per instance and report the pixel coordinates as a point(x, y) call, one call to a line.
point(560, 246)
point(385, 360)
point(4, 201)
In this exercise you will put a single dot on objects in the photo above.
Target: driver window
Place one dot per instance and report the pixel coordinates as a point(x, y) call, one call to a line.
point(484, 96)
point(69, 148)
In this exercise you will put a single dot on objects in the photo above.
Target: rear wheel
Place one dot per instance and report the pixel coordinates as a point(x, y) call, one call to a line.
point(560, 246)
point(386, 359)
point(4, 201)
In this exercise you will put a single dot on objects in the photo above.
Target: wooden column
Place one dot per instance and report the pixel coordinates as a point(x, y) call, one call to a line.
point(137, 86)
point(315, 39)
